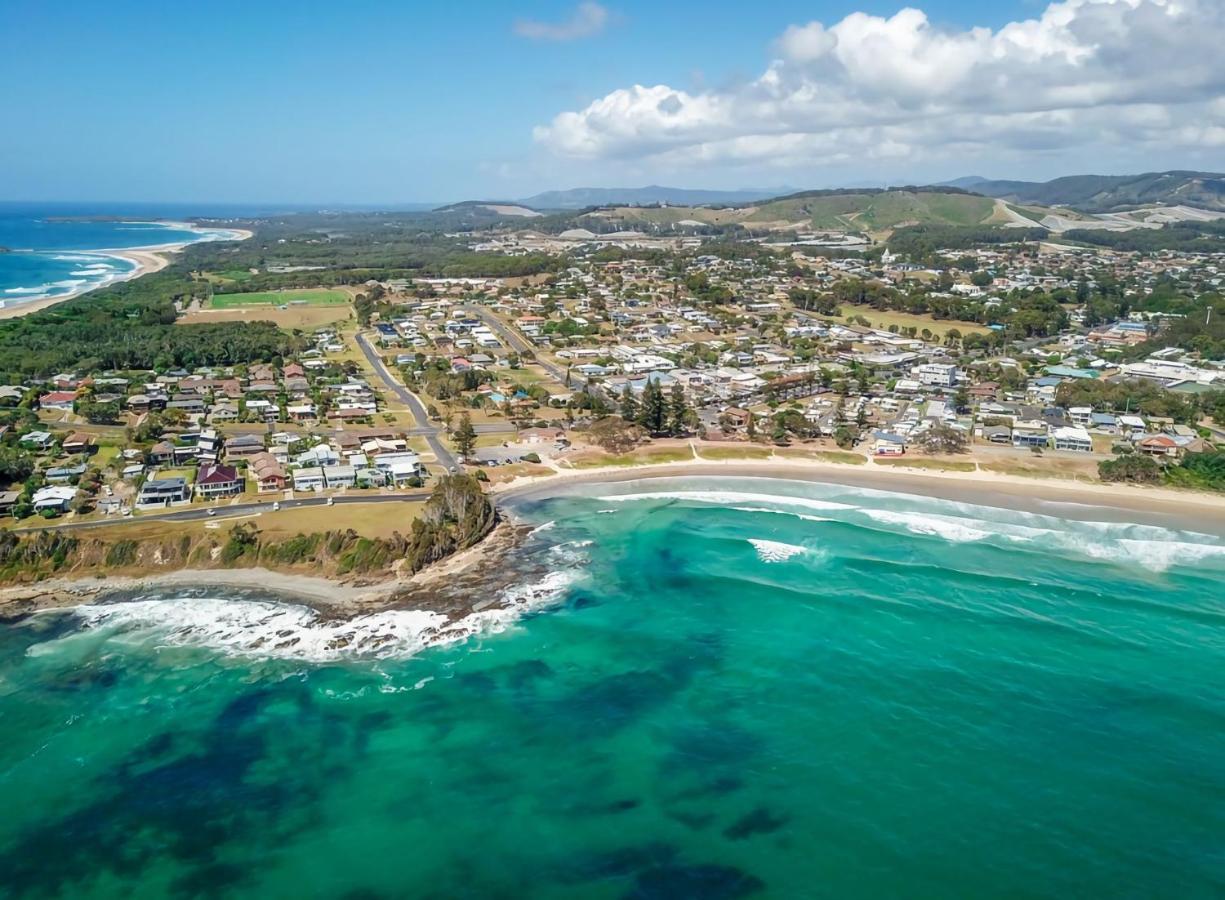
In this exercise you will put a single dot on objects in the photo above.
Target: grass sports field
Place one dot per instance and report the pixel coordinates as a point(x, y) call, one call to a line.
point(280, 298)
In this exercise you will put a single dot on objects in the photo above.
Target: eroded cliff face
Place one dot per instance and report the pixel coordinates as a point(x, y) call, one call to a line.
point(457, 516)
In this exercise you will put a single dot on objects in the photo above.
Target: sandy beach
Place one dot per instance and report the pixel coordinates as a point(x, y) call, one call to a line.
point(145, 259)
point(451, 585)
point(1188, 510)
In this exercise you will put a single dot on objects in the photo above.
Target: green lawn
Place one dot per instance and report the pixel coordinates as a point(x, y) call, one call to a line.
point(938, 464)
point(843, 457)
point(740, 451)
point(228, 276)
point(279, 298)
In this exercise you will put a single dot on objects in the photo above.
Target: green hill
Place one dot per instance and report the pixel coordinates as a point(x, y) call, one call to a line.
point(1112, 193)
point(878, 210)
point(840, 210)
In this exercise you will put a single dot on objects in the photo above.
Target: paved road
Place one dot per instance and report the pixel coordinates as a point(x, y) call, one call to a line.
point(235, 510)
point(424, 427)
point(517, 342)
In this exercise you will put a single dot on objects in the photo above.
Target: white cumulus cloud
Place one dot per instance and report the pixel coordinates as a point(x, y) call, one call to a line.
point(588, 19)
point(1084, 74)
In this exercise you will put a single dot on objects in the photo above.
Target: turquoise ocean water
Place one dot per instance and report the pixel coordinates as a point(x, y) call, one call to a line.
point(723, 688)
point(50, 258)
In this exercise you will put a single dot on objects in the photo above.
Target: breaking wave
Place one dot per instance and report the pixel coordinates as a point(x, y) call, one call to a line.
point(271, 630)
point(1150, 547)
point(731, 498)
point(775, 551)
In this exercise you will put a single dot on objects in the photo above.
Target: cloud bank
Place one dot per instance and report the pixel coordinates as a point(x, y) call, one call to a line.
point(589, 19)
point(1085, 74)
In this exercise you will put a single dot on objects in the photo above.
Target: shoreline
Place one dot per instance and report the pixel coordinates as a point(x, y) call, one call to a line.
point(145, 260)
point(449, 586)
point(331, 597)
point(1192, 511)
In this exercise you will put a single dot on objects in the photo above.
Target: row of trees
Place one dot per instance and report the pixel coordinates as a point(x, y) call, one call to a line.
point(658, 414)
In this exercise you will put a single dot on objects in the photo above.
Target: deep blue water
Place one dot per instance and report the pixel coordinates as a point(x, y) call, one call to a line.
point(51, 258)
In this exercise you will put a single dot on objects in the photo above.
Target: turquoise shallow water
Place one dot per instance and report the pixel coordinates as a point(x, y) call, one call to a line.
point(739, 687)
point(52, 258)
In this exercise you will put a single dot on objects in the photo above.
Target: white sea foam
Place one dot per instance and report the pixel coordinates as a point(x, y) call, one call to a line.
point(25, 290)
point(1148, 546)
point(540, 528)
point(731, 498)
point(775, 551)
point(263, 629)
point(782, 512)
point(1157, 556)
point(950, 528)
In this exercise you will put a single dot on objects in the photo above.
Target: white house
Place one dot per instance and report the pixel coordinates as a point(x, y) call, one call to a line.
point(53, 497)
point(1073, 439)
point(938, 374)
point(309, 479)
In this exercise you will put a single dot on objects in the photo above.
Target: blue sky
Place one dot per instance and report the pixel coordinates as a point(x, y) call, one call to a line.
point(384, 102)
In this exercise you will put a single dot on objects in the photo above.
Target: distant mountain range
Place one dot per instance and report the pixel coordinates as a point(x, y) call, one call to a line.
point(1108, 193)
point(581, 198)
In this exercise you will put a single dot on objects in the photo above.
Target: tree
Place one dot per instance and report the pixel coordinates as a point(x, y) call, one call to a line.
point(464, 436)
point(779, 432)
point(654, 413)
point(678, 412)
point(614, 435)
point(629, 406)
point(1131, 469)
point(943, 439)
point(961, 399)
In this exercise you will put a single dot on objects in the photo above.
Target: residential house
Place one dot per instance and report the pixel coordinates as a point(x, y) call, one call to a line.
point(8, 499)
point(63, 474)
point(61, 400)
point(340, 476)
point(53, 497)
point(308, 479)
point(214, 481)
point(243, 445)
point(78, 443)
point(1073, 438)
point(163, 492)
point(1030, 434)
point(38, 440)
point(267, 472)
point(162, 452)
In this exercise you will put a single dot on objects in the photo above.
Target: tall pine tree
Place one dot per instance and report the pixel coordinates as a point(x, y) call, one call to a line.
point(629, 406)
point(654, 414)
point(678, 412)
